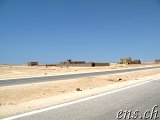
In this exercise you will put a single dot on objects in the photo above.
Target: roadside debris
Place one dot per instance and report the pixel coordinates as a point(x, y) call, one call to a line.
point(45, 73)
point(78, 89)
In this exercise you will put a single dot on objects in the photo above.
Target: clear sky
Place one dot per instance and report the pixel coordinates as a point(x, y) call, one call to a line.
point(50, 31)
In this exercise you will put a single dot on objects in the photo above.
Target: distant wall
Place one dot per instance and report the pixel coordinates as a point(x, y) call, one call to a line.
point(50, 65)
point(92, 64)
point(73, 62)
point(136, 62)
point(75, 65)
point(102, 64)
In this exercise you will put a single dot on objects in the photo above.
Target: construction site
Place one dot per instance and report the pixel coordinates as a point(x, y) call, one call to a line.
point(70, 63)
point(128, 61)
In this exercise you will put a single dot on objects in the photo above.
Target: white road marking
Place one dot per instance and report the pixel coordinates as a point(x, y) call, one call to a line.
point(77, 101)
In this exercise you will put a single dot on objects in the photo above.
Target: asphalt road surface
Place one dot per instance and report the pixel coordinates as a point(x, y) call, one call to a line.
point(141, 97)
point(19, 81)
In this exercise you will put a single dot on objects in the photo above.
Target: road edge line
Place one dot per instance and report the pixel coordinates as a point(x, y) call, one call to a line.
point(78, 101)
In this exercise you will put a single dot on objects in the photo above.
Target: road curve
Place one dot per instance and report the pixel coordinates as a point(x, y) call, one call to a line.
point(142, 97)
point(20, 81)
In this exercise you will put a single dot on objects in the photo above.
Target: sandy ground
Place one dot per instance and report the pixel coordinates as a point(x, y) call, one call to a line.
point(23, 98)
point(9, 72)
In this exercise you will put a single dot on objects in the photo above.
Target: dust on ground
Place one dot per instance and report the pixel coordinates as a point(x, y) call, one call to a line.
point(23, 98)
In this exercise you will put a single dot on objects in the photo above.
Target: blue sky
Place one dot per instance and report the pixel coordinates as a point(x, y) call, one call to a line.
point(50, 31)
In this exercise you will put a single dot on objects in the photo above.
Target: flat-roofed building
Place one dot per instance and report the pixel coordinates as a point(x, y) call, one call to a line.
point(32, 63)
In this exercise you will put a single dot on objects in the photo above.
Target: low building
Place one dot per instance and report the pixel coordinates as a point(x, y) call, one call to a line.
point(70, 63)
point(73, 62)
point(136, 62)
point(157, 61)
point(127, 60)
point(32, 63)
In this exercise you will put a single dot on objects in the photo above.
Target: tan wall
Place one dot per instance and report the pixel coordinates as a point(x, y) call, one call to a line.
point(75, 65)
point(102, 64)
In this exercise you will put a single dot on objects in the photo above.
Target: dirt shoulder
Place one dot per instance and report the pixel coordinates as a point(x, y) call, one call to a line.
point(11, 72)
point(23, 98)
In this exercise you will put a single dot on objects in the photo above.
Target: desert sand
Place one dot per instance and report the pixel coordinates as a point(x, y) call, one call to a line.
point(23, 98)
point(11, 72)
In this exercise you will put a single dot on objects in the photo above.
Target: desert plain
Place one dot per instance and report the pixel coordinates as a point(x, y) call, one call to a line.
point(18, 99)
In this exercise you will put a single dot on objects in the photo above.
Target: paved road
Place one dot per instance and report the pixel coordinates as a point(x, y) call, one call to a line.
point(105, 107)
point(11, 82)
